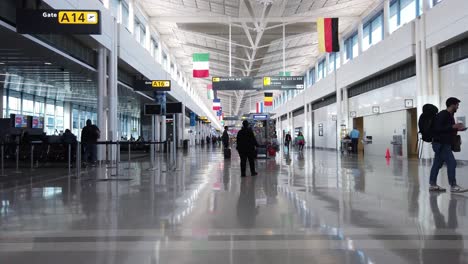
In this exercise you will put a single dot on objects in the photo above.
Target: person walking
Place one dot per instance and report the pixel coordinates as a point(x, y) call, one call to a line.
point(246, 144)
point(89, 136)
point(354, 135)
point(444, 135)
point(300, 141)
point(287, 140)
point(225, 138)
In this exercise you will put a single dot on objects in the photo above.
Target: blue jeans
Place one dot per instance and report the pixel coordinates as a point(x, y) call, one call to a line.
point(443, 153)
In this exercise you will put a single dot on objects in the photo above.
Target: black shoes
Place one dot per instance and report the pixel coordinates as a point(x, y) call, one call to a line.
point(254, 174)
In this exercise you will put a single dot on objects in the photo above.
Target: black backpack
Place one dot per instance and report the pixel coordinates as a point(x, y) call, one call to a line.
point(426, 120)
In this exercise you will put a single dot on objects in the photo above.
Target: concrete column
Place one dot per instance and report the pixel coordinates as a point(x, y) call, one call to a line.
point(345, 110)
point(342, 52)
point(338, 114)
point(292, 124)
point(327, 64)
point(157, 131)
point(360, 35)
point(101, 95)
point(436, 77)
point(163, 128)
point(112, 133)
point(306, 122)
point(2, 90)
point(181, 127)
point(386, 18)
point(131, 16)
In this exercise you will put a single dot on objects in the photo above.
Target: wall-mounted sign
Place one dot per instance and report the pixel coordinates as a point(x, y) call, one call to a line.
point(352, 114)
point(283, 82)
point(193, 121)
point(152, 109)
point(173, 108)
point(320, 130)
point(409, 103)
point(232, 83)
point(259, 117)
point(333, 117)
point(154, 85)
point(231, 118)
point(375, 109)
point(49, 21)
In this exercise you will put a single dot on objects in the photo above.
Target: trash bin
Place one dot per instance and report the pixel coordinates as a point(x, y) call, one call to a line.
point(186, 143)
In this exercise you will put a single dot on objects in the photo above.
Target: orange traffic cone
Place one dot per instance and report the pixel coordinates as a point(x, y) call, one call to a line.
point(387, 154)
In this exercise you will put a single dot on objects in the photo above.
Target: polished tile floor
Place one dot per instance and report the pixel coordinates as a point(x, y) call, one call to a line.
point(311, 207)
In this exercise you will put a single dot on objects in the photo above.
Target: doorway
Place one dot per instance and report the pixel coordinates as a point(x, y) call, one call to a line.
point(412, 132)
point(358, 123)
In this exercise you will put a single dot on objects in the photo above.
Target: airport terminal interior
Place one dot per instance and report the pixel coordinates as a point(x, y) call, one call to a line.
point(127, 131)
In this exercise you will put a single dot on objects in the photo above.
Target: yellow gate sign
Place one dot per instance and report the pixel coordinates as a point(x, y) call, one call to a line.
point(78, 17)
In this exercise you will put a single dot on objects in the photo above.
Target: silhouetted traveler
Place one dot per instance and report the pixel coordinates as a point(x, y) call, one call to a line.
point(225, 138)
point(287, 140)
point(246, 144)
point(354, 135)
point(89, 136)
point(444, 135)
point(68, 137)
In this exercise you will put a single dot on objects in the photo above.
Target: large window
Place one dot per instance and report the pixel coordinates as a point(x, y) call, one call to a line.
point(125, 14)
point(321, 70)
point(403, 11)
point(312, 76)
point(373, 31)
point(351, 47)
point(139, 32)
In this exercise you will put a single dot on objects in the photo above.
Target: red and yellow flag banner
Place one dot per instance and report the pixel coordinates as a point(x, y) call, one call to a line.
point(327, 29)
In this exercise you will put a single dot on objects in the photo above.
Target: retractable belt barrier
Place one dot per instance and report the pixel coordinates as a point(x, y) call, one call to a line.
point(66, 147)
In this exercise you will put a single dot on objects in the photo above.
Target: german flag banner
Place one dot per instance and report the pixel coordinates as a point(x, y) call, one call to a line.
point(268, 100)
point(327, 29)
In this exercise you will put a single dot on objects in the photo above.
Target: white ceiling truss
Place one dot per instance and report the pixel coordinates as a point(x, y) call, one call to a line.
point(191, 26)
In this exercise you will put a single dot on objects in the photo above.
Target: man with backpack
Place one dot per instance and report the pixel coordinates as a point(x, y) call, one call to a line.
point(444, 131)
point(89, 136)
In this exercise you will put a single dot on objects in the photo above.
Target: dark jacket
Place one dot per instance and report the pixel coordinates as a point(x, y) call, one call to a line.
point(288, 138)
point(90, 134)
point(443, 128)
point(225, 138)
point(246, 141)
point(68, 138)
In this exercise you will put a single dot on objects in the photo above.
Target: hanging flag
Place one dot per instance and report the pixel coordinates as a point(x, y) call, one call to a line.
point(257, 107)
point(209, 86)
point(261, 107)
point(268, 99)
point(201, 65)
point(327, 29)
point(216, 104)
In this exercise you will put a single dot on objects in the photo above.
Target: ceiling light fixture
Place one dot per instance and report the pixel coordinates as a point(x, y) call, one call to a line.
point(265, 2)
point(47, 63)
point(2, 63)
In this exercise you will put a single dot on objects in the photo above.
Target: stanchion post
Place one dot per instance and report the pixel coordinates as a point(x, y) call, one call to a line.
point(3, 160)
point(17, 158)
point(69, 158)
point(32, 156)
point(129, 153)
point(78, 159)
point(117, 157)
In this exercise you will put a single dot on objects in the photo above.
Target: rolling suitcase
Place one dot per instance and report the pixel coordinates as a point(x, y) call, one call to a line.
point(227, 153)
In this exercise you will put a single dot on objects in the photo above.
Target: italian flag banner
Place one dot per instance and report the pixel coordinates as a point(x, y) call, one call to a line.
point(201, 65)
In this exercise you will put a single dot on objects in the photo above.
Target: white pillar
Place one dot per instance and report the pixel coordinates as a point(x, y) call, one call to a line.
point(338, 113)
point(386, 18)
point(131, 16)
point(345, 110)
point(327, 64)
point(101, 94)
point(436, 77)
point(342, 52)
point(113, 90)
point(360, 35)
point(157, 131)
point(181, 127)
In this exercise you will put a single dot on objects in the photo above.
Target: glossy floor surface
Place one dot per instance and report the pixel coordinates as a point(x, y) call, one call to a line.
point(311, 207)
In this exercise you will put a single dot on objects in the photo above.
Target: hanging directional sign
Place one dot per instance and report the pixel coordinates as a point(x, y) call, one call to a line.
point(154, 85)
point(233, 83)
point(152, 109)
point(50, 21)
point(283, 82)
